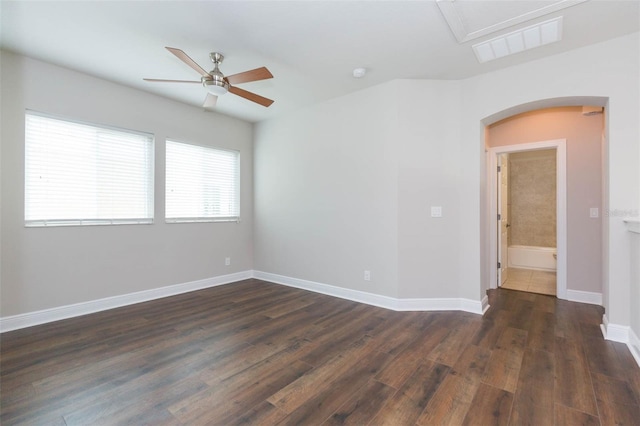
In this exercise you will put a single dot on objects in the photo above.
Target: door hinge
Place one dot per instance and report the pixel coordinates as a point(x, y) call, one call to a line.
point(499, 217)
point(499, 265)
point(499, 169)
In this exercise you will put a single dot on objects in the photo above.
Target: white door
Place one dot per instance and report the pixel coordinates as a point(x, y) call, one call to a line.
point(503, 228)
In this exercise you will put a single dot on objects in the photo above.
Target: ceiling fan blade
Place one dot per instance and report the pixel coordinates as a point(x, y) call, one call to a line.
point(187, 60)
point(250, 96)
point(210, 101)
point(156, 80)
point(247, 76)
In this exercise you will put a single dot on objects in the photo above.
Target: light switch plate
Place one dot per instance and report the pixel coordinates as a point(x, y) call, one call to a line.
point(593, 212)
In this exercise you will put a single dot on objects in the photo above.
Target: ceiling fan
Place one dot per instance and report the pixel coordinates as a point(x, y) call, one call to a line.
point(216, 83)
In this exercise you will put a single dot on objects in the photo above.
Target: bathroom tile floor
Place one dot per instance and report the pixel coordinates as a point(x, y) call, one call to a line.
point(542, 282)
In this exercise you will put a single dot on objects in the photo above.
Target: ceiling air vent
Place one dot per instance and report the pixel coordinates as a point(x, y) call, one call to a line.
point(518, 41)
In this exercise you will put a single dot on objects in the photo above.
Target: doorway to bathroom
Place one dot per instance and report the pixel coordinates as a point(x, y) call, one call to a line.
point(582, 156)
point(527, 221)
point(528, 200)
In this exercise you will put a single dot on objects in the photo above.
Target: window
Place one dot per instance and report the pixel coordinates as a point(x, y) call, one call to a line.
point(202, 184)
point(82, 174)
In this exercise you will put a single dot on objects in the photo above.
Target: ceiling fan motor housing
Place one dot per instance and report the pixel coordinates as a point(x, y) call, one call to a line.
point(216, 84)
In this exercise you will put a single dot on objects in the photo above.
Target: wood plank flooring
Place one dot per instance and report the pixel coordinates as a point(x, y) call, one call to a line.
point(264, 354)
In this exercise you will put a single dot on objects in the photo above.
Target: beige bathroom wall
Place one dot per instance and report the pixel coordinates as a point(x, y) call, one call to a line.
point(532, 198)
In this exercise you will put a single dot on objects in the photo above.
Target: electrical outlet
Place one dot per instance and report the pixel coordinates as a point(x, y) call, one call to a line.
point(227, 261)
point(367, 275)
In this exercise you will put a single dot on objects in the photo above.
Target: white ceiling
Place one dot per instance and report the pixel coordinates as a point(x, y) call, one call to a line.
point(311, 47)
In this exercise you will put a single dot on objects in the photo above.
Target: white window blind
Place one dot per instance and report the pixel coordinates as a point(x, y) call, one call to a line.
point(202, 184)
point(81, 174)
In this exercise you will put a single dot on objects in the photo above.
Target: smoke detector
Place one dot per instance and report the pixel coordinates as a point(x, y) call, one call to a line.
point(359, 72)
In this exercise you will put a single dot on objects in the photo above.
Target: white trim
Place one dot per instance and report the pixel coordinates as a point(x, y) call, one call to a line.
point(341, 292)
point(584, 297)
point(485, 304)
point(561, 207)
point(603, 326)
point(623, 334)
point(633, 224)
point(30, 319)
point(618, 333)
point(69, 311)
point(634, 345)
point(614, 332)
point(436, 304)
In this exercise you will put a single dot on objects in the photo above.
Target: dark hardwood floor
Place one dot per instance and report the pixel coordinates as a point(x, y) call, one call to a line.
point(259, 353)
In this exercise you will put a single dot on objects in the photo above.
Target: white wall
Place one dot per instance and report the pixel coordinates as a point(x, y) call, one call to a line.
point(427, 139)
point(51, 267)
point(347, 185)
point(326, 192)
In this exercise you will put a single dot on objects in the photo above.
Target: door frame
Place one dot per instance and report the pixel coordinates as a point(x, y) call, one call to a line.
point(500, 162)
point(561, 207)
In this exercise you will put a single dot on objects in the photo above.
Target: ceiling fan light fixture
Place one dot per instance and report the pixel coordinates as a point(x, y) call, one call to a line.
point(217, 88)
point(217, 85)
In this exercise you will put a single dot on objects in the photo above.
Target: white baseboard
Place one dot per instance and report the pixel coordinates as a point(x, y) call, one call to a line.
point(634, 345)
point(485, 304)
point(603, 326)
point(29, 319)
point(623, 334)
point(431, 304)
point(615, 332)
point(584, 297)
point(69, 311)
point(343, 293)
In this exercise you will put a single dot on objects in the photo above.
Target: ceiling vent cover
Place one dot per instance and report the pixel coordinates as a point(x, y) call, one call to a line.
point(518, 41)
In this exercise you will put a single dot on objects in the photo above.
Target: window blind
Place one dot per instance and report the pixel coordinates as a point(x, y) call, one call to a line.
point(202, 184)
point(82, 174)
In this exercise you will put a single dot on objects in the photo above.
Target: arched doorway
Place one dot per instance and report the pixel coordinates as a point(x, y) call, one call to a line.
point(489, 236)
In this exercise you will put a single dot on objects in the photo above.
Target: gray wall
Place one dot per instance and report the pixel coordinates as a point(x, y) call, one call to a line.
point(350, 181)
point(347, 186)
point(326, 193)
point(342, 186)
point(606, 72)
point(51, 267)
